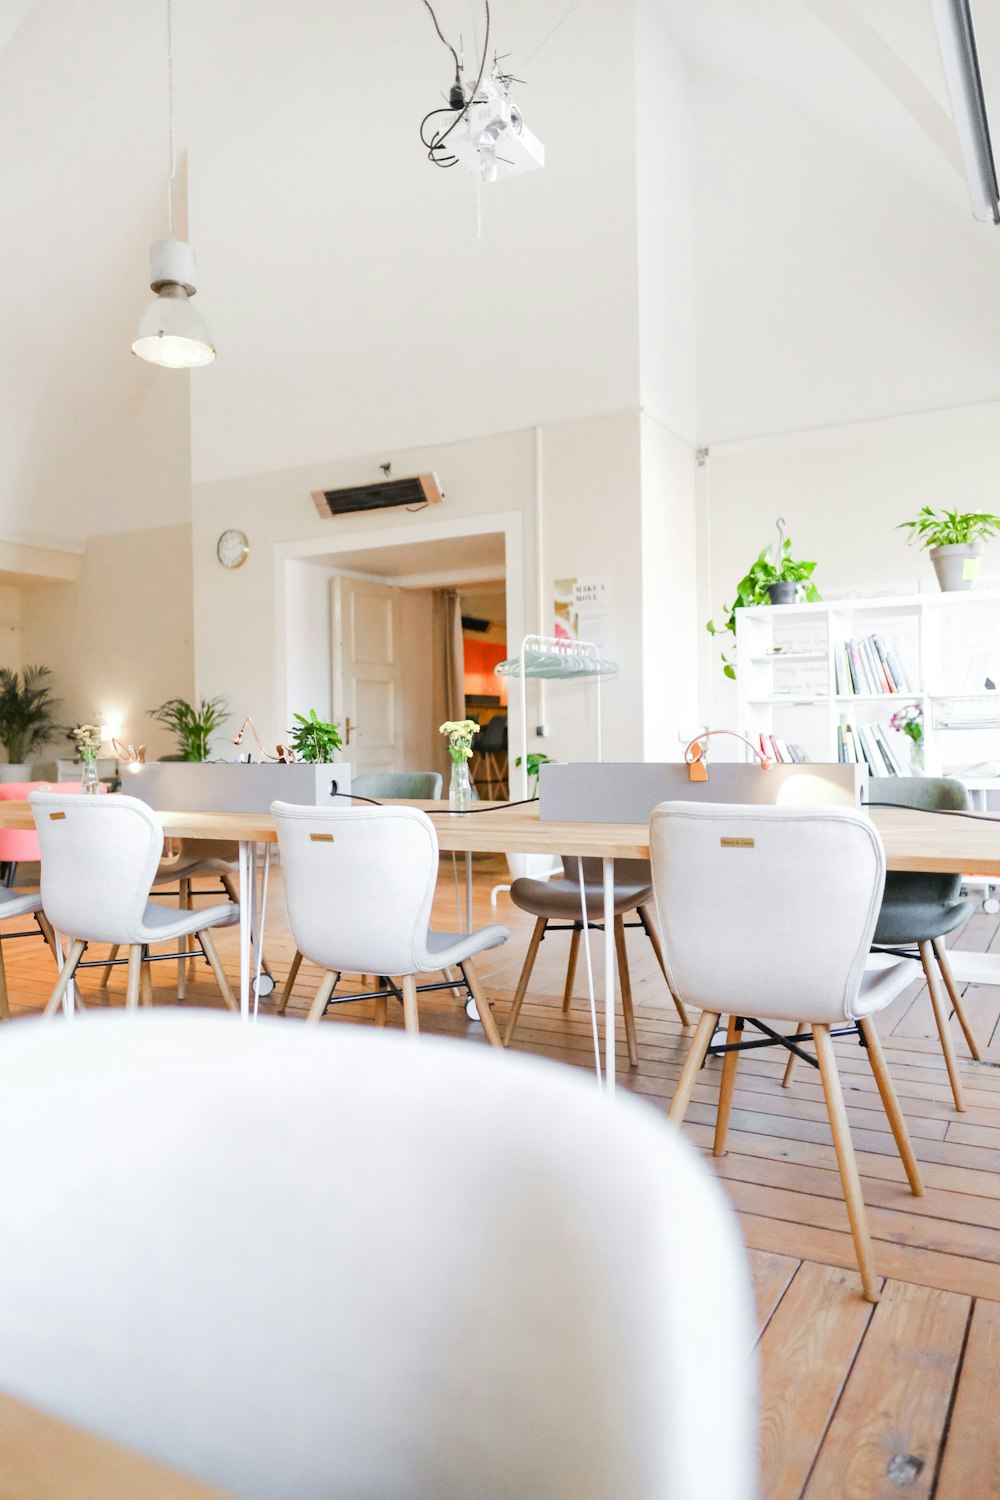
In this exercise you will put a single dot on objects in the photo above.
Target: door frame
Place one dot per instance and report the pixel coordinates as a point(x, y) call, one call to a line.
point(509, 524)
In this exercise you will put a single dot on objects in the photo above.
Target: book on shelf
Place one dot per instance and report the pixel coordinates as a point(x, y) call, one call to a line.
point(867, 666)
point(778, 750)
point(870, 745)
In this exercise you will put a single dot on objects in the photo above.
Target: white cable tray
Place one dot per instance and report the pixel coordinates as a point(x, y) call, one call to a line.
point(551, 657)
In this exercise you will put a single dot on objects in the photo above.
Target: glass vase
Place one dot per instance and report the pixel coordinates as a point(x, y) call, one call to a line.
point(917, 757)
point(460, 788)
point(89, 780)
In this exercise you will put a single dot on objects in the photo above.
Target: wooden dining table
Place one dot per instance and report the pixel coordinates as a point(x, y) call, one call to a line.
point(914, 840)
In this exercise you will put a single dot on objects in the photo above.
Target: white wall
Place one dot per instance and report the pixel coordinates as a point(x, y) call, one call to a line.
point(669, 593)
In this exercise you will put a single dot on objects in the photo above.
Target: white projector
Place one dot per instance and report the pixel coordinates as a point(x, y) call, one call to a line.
point(492, 139)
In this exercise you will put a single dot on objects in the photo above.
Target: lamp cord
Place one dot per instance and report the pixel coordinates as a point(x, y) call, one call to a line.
point(170, 117)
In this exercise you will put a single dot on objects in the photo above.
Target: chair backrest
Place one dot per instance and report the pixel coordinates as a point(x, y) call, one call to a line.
point(99, 857)
point(501, 1285)
point(493, 735)
point(422, 786)
point(19, 845)
point(932, 792)
point(766, 911)
point(359, 882)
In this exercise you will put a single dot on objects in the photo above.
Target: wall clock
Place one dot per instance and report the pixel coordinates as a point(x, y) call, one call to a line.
point(233, 548)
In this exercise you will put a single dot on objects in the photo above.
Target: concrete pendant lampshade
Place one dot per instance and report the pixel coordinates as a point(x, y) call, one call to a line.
point(172, 332)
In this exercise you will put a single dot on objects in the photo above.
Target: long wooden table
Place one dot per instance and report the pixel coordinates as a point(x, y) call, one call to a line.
point(914, 840)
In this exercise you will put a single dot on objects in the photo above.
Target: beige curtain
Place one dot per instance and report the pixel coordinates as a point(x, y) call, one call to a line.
point(449, 651)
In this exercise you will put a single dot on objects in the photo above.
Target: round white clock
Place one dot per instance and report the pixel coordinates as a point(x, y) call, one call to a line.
point(233, 548)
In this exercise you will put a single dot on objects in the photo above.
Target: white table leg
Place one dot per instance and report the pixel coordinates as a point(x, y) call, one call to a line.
point(609, 976)
point(468, 890)
point(248, 883)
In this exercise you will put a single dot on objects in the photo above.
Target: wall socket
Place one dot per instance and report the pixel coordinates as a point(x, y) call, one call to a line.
point(542, 731)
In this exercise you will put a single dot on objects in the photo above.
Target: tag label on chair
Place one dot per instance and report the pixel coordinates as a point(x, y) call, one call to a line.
point(56, 816)
point(737, 843)
point(317, 838)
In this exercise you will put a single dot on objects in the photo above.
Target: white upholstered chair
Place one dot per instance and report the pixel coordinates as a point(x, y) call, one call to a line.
point(790, 944)
point(359, 884)
point(502, 1287)
point(100, 856)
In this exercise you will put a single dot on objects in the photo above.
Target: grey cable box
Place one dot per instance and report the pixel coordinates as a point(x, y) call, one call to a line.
point(220, 786)
point(627, 792)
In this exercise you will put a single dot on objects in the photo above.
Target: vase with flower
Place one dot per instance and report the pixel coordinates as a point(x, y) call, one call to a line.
point(88, 740)
point(910, 721)
point(460, 733)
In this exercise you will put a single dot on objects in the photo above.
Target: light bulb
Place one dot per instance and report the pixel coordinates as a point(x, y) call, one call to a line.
point(172, 332)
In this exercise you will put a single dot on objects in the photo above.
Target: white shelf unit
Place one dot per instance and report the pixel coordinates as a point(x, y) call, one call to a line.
point(944, 643)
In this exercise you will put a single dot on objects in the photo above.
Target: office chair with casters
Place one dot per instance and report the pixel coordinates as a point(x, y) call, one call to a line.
point(550, 1300)
point(919, 910)
point(560, 902)
point(359, 884)
point(99, 859)
point(803, 888)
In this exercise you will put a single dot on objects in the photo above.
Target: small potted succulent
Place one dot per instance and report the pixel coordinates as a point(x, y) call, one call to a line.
point(954, 540)
point(774, 578)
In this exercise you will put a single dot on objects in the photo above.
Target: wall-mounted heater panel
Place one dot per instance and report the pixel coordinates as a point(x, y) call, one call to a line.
point(423, 489)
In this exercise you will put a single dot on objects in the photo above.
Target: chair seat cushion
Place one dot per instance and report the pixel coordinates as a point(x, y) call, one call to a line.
point(917, 921)
point(183, 869)
point(162, 923)
point(447, 948)
point(561, 898)
point(19, 903)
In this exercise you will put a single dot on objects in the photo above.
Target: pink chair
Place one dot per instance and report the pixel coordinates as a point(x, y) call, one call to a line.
point(19, 845)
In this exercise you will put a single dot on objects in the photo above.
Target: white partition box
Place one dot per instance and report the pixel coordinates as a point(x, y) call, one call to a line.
point(220, 786)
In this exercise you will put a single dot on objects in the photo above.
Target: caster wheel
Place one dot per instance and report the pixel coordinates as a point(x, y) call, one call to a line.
point(470, 1009)
point(991, 905)
point(264, 987)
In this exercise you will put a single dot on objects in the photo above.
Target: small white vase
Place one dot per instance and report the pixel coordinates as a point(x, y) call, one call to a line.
point(460, 788)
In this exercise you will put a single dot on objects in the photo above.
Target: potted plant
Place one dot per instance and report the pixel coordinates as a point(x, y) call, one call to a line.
point(314, 739)
point(783, 581)
point(955, 542)
point(536, 760)
point(192, 726)
point(27, 714)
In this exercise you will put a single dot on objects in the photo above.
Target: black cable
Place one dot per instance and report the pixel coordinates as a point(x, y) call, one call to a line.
point(941, 812)
point(444, 38)
point(439, 811)
point(436, 142)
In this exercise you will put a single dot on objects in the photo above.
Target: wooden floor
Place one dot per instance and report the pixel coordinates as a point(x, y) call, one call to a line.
point(857, 1402)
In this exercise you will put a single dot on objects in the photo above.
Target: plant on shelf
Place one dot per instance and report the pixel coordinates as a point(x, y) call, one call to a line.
point(954, 540)
point(909, 720)
point(536, 760)
point(762, 585)
point(314, 739)
point(193, 726)
point(27, 712)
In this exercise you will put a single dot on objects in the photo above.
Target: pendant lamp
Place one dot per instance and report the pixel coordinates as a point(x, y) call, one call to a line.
point(172, 332)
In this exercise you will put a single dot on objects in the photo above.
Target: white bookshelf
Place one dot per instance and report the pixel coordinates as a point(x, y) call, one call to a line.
point(944, 643)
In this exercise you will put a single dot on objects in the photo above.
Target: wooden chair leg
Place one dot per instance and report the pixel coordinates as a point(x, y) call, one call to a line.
point(134, 968)
point(106, 971)
point(786, 1077)
point(956, 999)
point(212, 954)
point(648, 918)
point(692, 1066)
point(522, 984)
point(944, 1030)
point(146, 984)
point(286, 993)
point(411, 1021)
point(323, 994)
point(73, 957)
point(382, 1007)
point(482, 1004)
point(730, 1063)
point(846, 1160)
point(890, 1103)
point(574, 950)
point(625, 983)
point(4, 1005)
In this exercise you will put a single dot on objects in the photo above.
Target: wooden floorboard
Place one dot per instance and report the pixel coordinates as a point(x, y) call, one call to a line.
point(856, 1402)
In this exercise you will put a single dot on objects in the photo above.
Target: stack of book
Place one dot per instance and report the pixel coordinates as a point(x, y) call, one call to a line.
point(870, 745)
point(868, 666)
point(776, 749)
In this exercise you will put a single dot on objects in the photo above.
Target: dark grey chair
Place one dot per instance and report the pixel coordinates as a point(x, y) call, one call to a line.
point(550, 901)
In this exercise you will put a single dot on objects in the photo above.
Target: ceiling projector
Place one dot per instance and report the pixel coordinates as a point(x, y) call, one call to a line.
point(491, 138)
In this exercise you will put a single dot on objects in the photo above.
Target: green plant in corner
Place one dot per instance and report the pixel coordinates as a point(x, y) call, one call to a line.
point(536, 760)
point(314, 739)
point(27, 711)
point(193, 727)
point(950, 528)
point(753, 589)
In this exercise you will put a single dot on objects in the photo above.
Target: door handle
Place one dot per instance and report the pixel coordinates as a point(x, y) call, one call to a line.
point(347, 730)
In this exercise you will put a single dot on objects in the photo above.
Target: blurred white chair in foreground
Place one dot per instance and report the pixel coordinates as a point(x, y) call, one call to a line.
point(312, 1262)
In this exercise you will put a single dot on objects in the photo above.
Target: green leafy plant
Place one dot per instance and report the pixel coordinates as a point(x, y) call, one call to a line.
point(27, 711)
point(949, 528)
point(536, 760)
point(313, 739)
point(193, 727)
point(753, 589)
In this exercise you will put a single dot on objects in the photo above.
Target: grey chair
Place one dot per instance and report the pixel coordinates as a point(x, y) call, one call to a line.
point(421, 786)
point(919, 910)
point(561, 901)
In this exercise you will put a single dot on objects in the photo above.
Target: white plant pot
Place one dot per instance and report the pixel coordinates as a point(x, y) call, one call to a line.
point(533, 866)
point(15, 771)
point(957, 566)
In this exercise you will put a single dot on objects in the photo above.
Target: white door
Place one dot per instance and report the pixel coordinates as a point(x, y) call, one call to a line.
point(367, 674)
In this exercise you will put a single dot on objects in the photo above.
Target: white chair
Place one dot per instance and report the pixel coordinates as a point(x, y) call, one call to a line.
point(790, 944)
point(99, 858)
point(502, 1286)
point(359, 883)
